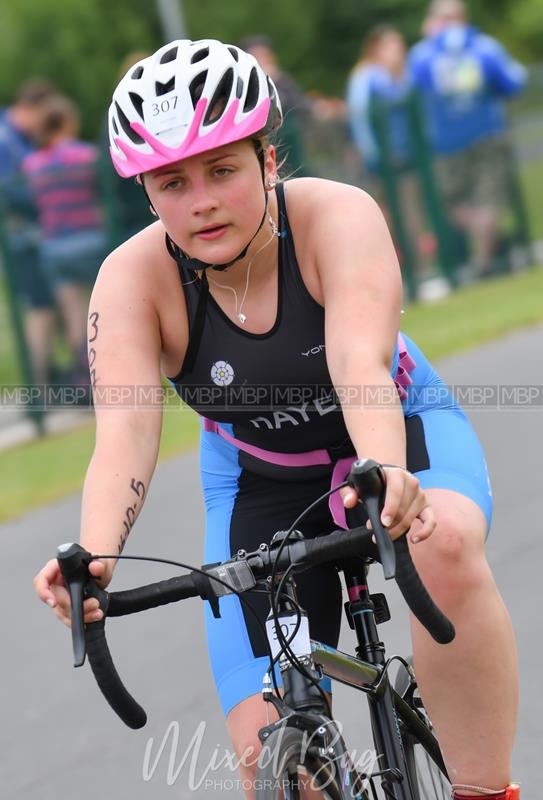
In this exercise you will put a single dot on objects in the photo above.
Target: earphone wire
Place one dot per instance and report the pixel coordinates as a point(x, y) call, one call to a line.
point(275, 232)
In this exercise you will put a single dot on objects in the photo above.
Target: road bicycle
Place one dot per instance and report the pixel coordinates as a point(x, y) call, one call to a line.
point(304, 748)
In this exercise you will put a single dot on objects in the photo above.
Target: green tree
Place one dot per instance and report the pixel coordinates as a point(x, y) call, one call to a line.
point(78, 44)
point(318, 41)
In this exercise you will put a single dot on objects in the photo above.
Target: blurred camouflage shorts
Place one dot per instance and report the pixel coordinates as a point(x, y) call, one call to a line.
point(476, 177)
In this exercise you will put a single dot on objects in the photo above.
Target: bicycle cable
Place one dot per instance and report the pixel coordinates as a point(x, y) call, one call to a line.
point(243, 599)
point(285, 646)
point(241, 596)
point(285, 643)
point(275, 593)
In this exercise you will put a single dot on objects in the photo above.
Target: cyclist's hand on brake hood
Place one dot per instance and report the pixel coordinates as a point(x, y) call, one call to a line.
point(406, 508)
point(50, 588)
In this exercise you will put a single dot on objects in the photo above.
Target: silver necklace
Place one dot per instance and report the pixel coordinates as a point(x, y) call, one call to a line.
point(242, 318)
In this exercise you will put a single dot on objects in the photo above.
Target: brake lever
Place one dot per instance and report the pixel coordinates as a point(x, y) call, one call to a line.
point(74, 561)
point(368, 478)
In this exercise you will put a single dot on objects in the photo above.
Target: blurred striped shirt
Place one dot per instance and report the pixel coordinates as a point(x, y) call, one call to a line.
point(63, 180)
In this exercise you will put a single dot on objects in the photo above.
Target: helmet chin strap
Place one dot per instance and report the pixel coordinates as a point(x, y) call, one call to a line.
point(195, 264)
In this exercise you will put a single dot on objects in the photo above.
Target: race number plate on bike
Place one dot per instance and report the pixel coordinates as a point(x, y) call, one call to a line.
point(299, 642)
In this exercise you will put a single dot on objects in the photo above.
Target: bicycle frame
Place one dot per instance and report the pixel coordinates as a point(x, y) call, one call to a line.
point(366, 672)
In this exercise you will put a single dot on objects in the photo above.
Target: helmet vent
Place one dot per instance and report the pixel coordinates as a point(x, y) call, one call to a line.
point(200, 55)
point(138, 72)
point(252, 91)
point(169, 55)
point(239, 88)
point(196, 87)
point(125, 125)
point(137, 102)
point(164, 88)
point(234, 53)
point(220, 98)
point(115, 126)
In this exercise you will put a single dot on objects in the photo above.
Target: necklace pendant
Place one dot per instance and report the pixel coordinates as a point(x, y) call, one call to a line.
point(242, 318)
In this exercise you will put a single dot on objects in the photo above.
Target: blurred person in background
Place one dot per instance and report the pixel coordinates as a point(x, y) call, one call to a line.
point(297, 106)
point(19, 124)
point(128, 209)
point(332, 152)
point(63, 179)
point(464, 77)
point(381, 74)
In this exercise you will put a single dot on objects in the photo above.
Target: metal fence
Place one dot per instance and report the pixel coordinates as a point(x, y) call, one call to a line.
point(329, 153)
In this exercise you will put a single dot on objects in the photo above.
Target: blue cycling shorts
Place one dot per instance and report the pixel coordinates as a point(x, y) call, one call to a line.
point(244, 509)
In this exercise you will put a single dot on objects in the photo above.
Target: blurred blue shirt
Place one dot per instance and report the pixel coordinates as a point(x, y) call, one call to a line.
point(367, 83)
point(463, 76)
point(14, 147)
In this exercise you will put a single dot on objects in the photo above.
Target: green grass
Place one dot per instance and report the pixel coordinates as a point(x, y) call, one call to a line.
point(531, 180)
point(45, 470)
point(51, 468)
point(9, 370)
point(476, 314)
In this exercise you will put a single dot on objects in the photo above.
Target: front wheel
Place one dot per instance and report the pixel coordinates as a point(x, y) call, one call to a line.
point(427, 779)
point(289, 767)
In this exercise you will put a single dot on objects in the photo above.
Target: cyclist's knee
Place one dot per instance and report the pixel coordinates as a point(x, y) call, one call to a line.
point(244, 721)
point(452, 561)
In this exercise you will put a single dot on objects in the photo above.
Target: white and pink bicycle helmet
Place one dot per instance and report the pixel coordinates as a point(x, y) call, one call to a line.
point(185, 99)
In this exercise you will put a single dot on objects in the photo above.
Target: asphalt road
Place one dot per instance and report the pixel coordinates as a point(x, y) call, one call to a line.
point(59, 739)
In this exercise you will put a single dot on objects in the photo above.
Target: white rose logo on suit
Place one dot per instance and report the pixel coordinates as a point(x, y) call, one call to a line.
point(222, 373)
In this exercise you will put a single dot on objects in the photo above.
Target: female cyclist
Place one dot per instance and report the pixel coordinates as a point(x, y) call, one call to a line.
point(258, 299)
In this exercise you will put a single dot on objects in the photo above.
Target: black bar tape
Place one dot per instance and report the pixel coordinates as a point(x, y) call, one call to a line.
point(336, 547)
point(107, 677)
point(151, 596)
point(417, 598)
